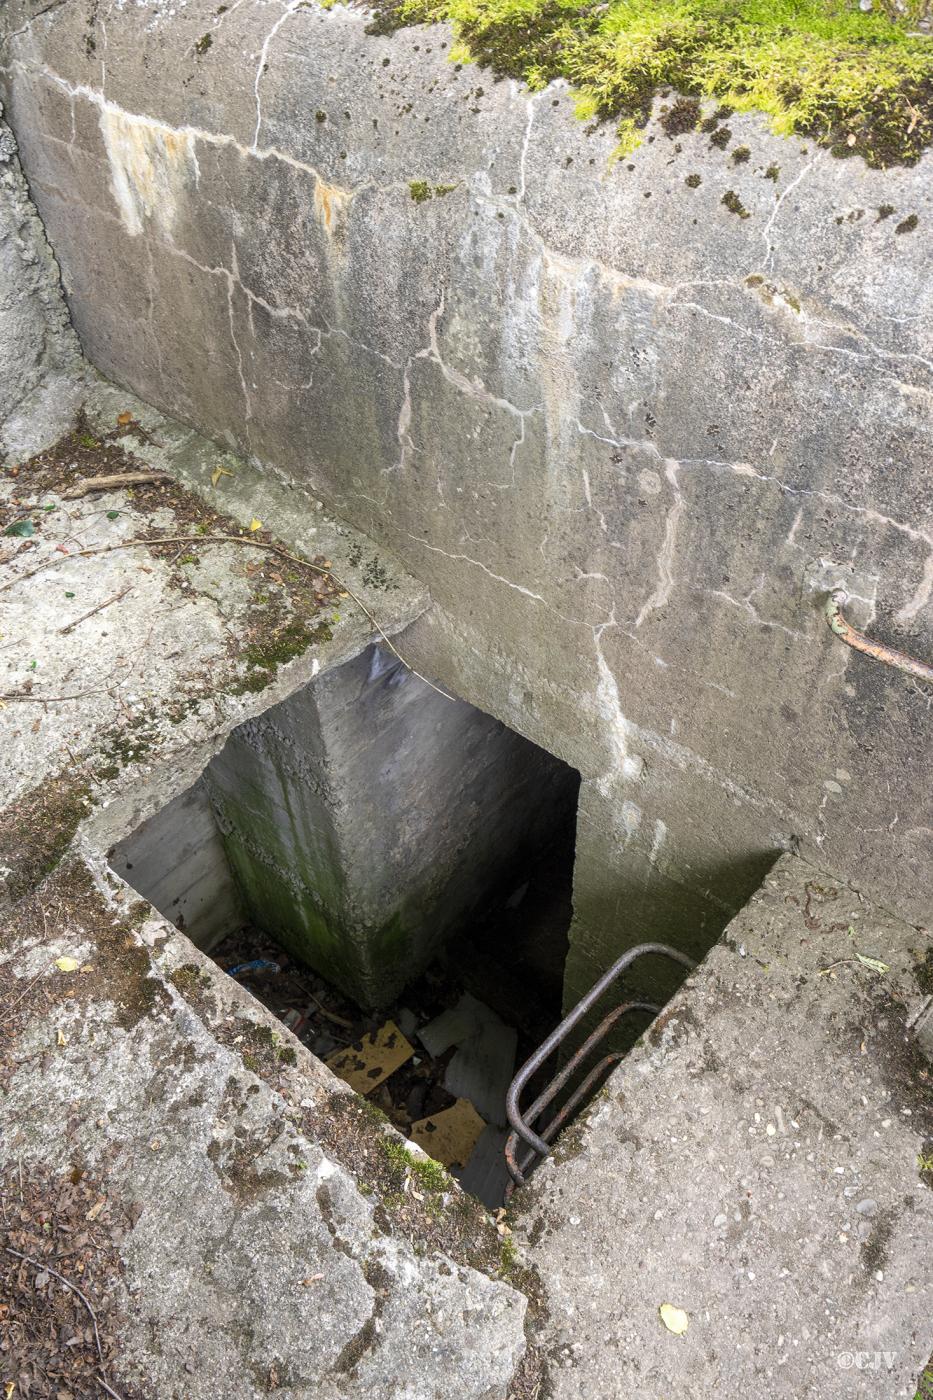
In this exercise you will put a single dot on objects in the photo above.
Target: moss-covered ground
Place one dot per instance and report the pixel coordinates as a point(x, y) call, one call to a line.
point(859, 82)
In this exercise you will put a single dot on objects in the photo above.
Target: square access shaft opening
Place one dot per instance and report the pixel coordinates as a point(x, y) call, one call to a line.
point(370, 854)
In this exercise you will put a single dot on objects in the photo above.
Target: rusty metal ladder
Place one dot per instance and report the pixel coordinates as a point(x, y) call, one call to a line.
point(538, 1144)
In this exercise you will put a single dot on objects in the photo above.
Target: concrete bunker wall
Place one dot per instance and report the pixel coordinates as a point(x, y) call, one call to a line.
point(624, 432)
point(38, 347)
point(361, 822)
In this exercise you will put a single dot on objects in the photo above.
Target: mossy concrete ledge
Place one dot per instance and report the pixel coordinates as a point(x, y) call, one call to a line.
point(126, 665)
point(275, 1237)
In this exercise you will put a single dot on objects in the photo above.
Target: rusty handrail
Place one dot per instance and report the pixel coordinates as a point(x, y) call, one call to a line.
point(517, 1168)
point(521, 1128)
point(852, 637)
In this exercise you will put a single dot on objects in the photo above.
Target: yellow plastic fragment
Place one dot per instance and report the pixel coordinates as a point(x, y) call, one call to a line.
point(449, 1136)
point(365, 1064)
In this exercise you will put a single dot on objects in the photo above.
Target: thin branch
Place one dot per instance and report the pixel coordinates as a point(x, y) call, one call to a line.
point(331, 1015)
point(48, 699)
point(70, 626)
point(111, 483)
point(6, 1009)
point(42, 1266)
point(232, 539)
point(100, 1381)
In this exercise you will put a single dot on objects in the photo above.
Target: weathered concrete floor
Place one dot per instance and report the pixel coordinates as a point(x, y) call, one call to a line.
point(281, 1241)
point(758, 1162)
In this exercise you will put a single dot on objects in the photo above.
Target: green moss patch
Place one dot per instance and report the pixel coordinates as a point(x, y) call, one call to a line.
point(860, 83)
point(36, 831)
point(735, 206)
point(420, 190)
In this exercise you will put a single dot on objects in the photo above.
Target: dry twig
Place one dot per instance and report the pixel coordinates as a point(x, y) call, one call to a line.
point(232, 539)
point(70, 626)
point(112, 483)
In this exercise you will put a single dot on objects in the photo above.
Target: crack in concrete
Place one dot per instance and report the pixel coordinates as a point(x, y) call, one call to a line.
point(263, 64)
point(665, 561)
point(770, 248)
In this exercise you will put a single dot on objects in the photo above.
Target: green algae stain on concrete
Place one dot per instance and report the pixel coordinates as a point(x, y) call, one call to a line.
point(858, 82)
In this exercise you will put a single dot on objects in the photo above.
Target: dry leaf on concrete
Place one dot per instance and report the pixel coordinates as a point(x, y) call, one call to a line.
point(674, 1319)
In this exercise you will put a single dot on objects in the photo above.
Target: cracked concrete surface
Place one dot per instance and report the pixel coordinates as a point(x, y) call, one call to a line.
point(617, 430)
point(267, 1250)
point(626, 438)
point(261, 1259)
point(150, 644)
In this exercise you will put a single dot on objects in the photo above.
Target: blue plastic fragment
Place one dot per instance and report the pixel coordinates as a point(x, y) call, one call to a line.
point(259, 965)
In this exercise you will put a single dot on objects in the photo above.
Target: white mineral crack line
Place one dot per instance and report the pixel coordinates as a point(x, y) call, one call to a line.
point(665, 559)
point(530, 102)
point(473, 389)
point(788, 190)
point(289, 10)
point(924, 588)
point(664, 292)
point(499, 578)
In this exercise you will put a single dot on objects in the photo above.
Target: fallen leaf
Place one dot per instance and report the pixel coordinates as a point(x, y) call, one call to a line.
point(124, 418)
point(674, 1319)
point(21, 528)
point(88, 967)
point(255, 524)
point(66, 964)
point(96, 1209)
point(217, 473)
point(874, 963)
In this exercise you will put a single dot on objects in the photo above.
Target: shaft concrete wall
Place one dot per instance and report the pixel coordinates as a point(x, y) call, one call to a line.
point(177, 861)
point(625, 431)
point(366, 817)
